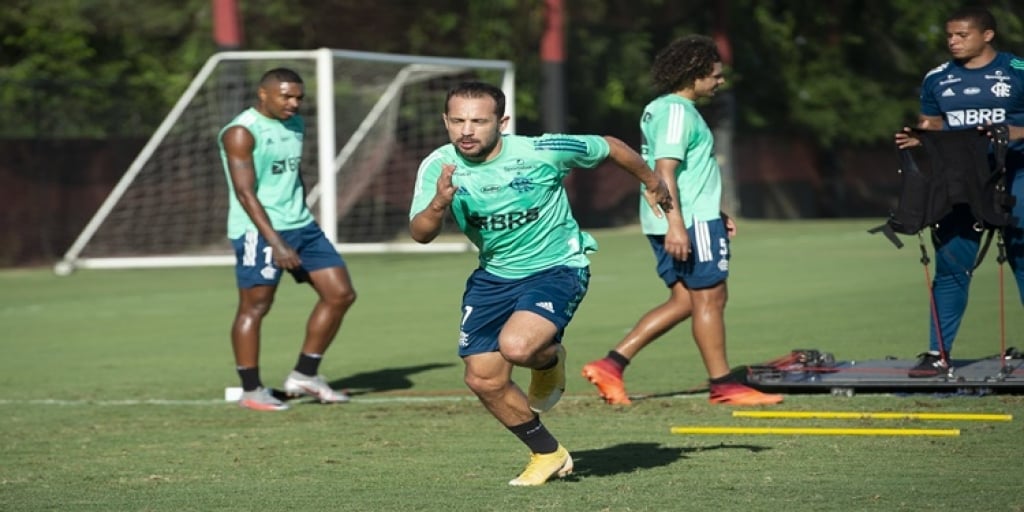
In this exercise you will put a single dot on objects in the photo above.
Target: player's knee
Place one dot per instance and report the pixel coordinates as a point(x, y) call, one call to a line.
point(255, 309)
point(347, 297)
point(517, 352)
point(677, 310)
point(341, 299)
point(484, 386)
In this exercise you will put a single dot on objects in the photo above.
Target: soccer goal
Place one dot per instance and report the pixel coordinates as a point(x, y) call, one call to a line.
point(370, 119)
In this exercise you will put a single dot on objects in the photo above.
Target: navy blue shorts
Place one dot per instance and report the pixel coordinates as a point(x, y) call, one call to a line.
point(254, 259)
point(708, 263)
point(490, 300)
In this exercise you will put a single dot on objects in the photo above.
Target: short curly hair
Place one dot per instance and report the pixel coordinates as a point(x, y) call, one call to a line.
point(280, 75)
point(682, 62)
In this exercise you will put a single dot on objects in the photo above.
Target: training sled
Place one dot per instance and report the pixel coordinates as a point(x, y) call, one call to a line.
point(957, 171)
point(813, 371)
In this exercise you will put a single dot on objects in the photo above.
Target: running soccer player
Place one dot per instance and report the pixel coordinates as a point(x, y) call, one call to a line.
point(505, 192)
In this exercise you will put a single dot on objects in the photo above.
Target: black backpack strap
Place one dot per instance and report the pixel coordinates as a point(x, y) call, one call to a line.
point(996, 198)
point(886, 229)
point(983, 249)
point(1001, 142)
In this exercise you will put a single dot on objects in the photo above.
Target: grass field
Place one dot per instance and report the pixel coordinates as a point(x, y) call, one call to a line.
point(113, 383)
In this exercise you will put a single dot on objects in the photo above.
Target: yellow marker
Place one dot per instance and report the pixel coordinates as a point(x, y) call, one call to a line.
point(818, 431)
point(873, 415)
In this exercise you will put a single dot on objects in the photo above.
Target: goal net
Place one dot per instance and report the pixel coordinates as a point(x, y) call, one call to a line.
point(370, 119)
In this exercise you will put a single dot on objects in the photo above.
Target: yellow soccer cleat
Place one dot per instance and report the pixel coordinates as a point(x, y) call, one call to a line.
point(547, 386)
point(544, 466)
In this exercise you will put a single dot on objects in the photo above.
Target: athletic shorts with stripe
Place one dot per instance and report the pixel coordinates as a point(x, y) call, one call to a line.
point(708, 263)
point(489, 301)
point(254, 258)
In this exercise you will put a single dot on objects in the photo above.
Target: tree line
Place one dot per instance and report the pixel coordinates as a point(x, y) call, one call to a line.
point(836, 72)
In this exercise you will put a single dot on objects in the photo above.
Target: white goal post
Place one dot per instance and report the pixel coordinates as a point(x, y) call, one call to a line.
point(366, 131)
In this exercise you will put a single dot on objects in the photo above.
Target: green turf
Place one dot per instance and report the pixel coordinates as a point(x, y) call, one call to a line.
point(112, 383)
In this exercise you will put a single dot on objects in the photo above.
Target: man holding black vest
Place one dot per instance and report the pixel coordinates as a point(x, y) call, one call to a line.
point(980, 86)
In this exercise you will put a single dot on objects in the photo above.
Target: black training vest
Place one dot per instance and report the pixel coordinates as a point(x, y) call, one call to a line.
point(963, 167)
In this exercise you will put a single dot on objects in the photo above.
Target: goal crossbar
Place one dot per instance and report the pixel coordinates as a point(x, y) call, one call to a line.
point(329, 161)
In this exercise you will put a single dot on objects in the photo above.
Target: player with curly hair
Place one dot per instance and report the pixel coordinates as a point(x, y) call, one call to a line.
point(691, 242)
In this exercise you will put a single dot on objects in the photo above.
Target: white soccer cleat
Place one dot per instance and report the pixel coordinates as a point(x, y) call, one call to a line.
point(298, 384)
point(261, 399)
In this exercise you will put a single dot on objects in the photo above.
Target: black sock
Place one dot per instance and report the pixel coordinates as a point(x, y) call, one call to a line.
point(250, 378)
point(729, 377)
point(535, 436)
point(309, 364)
point(618, 358)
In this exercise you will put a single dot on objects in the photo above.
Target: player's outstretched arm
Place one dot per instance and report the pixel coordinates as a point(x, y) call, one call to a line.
point(657, 193)
point(426, 225)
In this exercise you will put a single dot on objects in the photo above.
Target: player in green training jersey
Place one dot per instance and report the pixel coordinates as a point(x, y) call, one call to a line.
point(272, 230)
point(691, 244)
point(505, 192)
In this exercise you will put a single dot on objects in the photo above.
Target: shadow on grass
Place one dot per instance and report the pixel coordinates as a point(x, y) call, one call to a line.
point(671, 394)
point(630, 457)
point(387, 379)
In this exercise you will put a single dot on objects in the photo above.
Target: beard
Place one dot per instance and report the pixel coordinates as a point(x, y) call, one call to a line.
point(485, 148)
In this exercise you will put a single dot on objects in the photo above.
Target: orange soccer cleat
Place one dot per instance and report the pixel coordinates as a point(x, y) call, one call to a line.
point(608, 380)
point(734, 393)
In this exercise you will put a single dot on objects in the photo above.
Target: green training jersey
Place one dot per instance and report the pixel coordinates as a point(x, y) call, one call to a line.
point(276, 157)
point(672, 128)
point(514, 207)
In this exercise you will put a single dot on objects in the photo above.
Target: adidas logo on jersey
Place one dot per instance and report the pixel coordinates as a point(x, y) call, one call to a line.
point(947, 93)
point(546, 306)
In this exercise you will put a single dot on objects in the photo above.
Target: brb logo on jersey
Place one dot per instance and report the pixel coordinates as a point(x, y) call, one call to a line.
point(503, 221)
point(290, 165)
point(975, 117)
